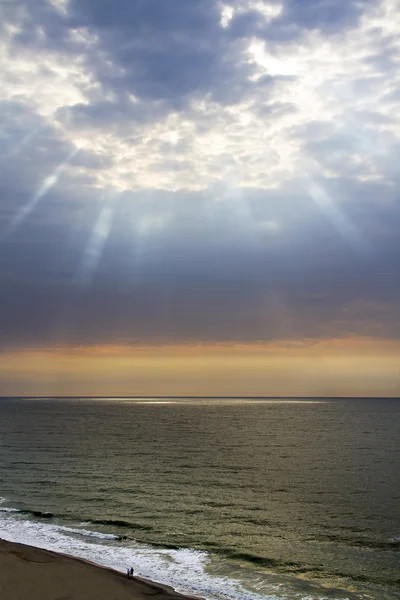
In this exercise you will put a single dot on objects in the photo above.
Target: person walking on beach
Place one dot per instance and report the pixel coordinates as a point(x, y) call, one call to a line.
point(128, 572)
point(131, 572)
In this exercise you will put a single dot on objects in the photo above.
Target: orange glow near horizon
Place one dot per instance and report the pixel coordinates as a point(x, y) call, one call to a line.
point(338, 367)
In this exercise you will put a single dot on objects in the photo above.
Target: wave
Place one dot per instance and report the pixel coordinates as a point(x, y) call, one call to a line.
point(185, 569)
point(390, 545)
point(314, 571)
point(260, 561)
point(122, 524)
point(88, 533)
point(50, 516)
point(39, 514)
point(366, 543)
point(74, 534)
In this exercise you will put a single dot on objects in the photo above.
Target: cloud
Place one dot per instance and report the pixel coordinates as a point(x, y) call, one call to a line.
point(140, 84)
point(250, 151)
point(326, 15)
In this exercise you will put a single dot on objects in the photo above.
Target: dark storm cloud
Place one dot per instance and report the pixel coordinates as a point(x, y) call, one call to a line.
point(327, 15)
point(169, 51)
point(297, 17)
point(158, 50)
point(166, 53)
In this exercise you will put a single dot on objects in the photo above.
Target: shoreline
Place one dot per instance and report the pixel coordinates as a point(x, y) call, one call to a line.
point(30, 573)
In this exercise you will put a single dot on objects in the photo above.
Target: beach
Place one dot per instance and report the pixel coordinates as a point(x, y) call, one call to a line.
point(28, 573)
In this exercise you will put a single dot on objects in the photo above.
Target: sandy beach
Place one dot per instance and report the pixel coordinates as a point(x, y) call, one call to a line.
point(28, 573)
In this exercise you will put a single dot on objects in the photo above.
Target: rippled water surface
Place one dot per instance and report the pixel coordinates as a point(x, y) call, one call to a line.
point(241, 498)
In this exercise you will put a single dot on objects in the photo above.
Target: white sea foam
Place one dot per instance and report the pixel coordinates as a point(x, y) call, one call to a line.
point(5, 508)
point(87, 533)
point(183, 569)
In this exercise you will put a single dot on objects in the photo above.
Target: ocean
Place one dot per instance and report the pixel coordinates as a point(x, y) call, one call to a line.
point(228, 499)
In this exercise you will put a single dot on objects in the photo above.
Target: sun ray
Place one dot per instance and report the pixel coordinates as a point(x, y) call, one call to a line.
point(99, 236)
point(338, 218)
point(48, 183)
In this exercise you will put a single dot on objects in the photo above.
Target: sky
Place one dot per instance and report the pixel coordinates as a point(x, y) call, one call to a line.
point(200, 197)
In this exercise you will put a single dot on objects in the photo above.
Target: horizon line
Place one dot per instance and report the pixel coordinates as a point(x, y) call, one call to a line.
point(227, 397)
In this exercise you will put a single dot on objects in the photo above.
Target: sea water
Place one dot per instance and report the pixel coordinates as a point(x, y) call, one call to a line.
point(225, 499)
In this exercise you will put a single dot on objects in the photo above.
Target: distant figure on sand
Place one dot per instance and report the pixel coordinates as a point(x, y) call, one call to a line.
point(128, 572)
point(131, 572)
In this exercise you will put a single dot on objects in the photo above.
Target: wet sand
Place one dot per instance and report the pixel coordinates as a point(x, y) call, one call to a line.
point(28, 573)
